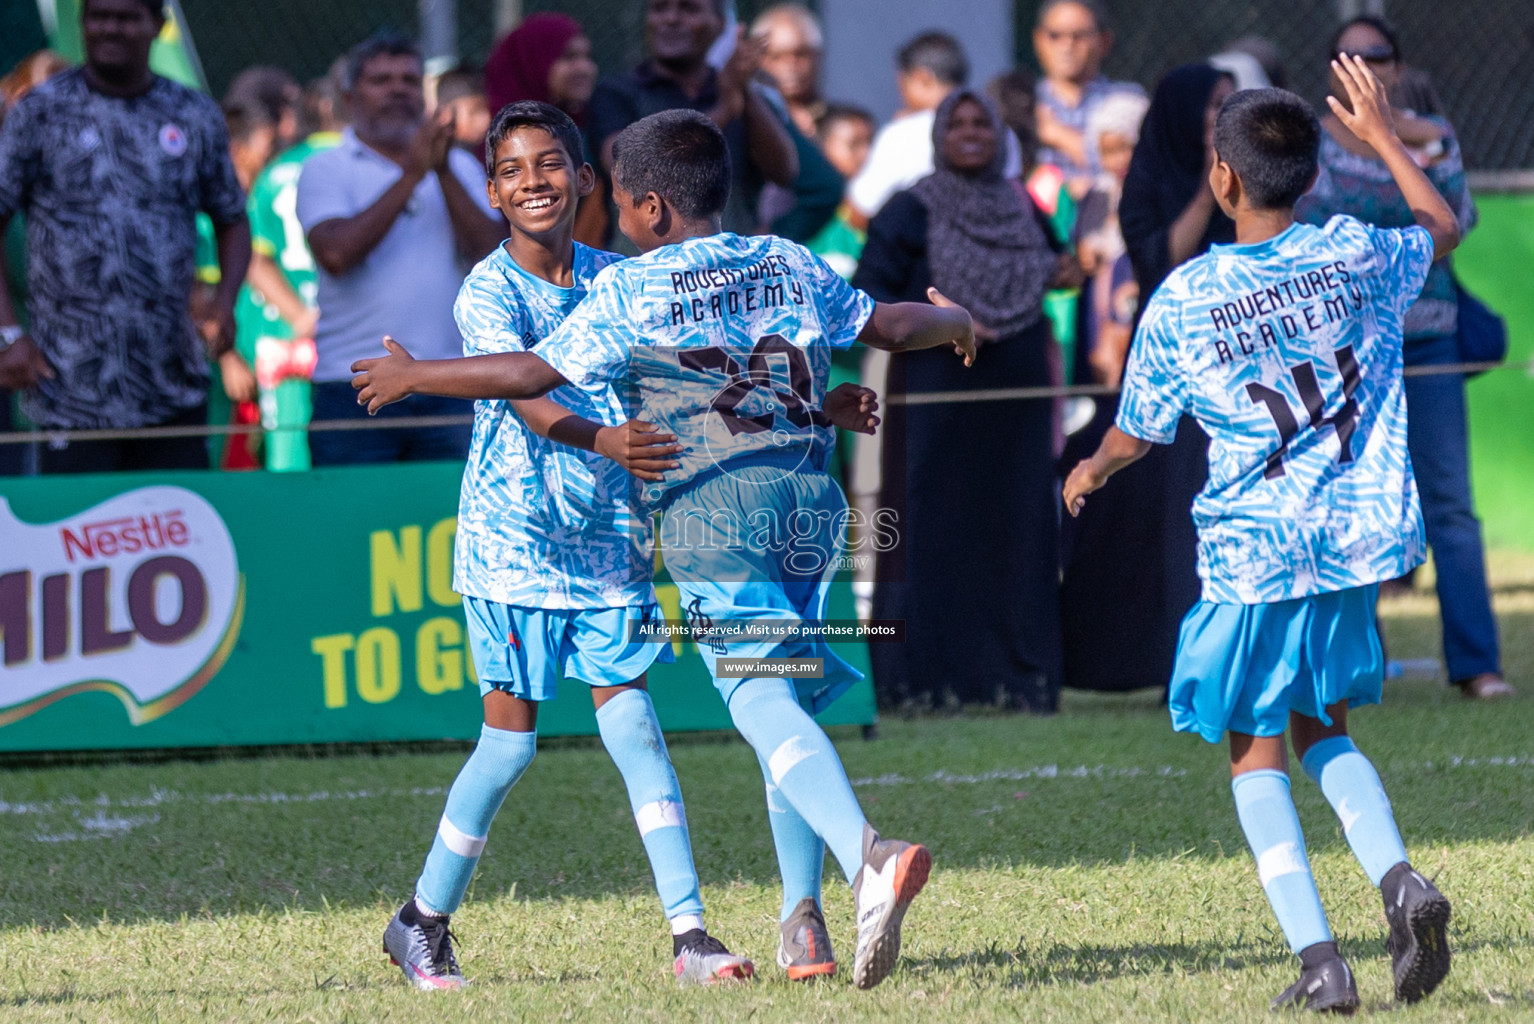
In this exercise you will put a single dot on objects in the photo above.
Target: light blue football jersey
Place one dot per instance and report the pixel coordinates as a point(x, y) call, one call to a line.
point(1288, 353)
point(542, 525)
point(724, 341)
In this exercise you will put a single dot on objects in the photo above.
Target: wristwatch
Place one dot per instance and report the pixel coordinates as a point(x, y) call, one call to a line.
point(10, 334)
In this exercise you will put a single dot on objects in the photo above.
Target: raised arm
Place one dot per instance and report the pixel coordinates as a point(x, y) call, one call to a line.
point(1369, 119)
point(767, 139)
point(387, 379)
point(909, 326)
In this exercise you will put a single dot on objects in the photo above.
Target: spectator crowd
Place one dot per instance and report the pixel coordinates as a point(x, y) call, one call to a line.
point(174, 261)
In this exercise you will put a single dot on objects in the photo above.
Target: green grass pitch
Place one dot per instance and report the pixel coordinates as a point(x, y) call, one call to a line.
point(1088, 867)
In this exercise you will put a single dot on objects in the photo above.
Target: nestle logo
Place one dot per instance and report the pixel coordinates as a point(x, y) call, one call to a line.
point(126, 535)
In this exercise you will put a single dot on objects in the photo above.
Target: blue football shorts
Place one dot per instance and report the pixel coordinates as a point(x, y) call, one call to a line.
point(755, 544)
point(526, 651)
point(1244, 667)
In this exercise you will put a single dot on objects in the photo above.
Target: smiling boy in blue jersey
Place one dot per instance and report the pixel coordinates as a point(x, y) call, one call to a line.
point(552, 563)
point(1286, 347)
point(725, 342)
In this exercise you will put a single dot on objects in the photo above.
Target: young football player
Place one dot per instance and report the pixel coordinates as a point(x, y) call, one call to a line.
point(1286, 347)
point(552, 563)
point(725, 342)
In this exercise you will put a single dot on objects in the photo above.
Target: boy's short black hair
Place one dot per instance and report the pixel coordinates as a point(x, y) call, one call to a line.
point(1270, 138)
point(681, 156)
point(938, 52)
point(835, 113)
point(460, 82)
point(1095, 8)
point(384, 43)
point(533, 114)
point(272, 89)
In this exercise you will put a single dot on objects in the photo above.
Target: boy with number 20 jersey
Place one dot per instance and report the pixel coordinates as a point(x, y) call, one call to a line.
point(726, 340)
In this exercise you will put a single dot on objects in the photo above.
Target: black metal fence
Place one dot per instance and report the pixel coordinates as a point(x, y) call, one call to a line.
point(1480, 53)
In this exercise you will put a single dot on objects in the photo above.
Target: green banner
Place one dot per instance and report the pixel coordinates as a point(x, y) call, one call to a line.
point(211, 609)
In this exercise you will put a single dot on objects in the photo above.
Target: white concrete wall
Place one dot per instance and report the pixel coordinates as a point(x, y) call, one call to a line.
point(863, 35)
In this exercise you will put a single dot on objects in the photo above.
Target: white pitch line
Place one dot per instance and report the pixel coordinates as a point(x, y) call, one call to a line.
point(1043, 771)
point(100, 824)
point(163, 797)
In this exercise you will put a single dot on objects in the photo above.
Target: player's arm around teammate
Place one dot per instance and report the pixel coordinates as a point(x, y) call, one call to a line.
point(381, 381)
point(635, 445)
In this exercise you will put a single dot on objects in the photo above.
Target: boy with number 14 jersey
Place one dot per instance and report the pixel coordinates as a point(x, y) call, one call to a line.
point(1286, 347)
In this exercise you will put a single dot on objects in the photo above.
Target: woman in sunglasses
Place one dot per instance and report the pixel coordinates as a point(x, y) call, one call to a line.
point(1353, 180)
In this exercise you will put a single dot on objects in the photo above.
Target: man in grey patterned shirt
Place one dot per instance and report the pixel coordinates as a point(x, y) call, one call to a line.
point(111, 164)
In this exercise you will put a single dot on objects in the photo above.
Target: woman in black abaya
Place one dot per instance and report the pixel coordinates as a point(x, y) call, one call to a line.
point(1130, 563)
point(974, 573)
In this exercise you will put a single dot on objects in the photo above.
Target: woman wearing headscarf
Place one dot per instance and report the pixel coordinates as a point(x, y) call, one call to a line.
point(1130, 565)
point(968, 486)
point(1352, 179)
point(548, 58)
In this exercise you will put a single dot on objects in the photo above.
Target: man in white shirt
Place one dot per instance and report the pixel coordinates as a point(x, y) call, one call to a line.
point(928, 68)
point(395, 215)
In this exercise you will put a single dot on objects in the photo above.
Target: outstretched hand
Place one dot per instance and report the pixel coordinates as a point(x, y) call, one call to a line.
point(964, 339)
point(852, 407)
point(384, 380)
point(640, 448)
point(1367, 112)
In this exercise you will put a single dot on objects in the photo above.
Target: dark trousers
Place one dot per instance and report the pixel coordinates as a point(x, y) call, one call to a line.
point(336, 400)
point(138, 454)
point(1437, 436)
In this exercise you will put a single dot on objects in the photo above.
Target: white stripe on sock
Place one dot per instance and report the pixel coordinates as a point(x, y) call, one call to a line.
point(458, 841)
point(1347, 816)
point(1280, 860)
point(660, 814)
point(789, 754)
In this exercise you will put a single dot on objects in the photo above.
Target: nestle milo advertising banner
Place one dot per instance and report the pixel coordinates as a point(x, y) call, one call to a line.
point(209, 609)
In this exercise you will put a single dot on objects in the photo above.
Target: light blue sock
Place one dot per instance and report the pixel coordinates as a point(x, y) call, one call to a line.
point(803, 764)
point(1273, 831)
point(498, 761)
point(633, 739)
point(801, 853)
point(1354, 789)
